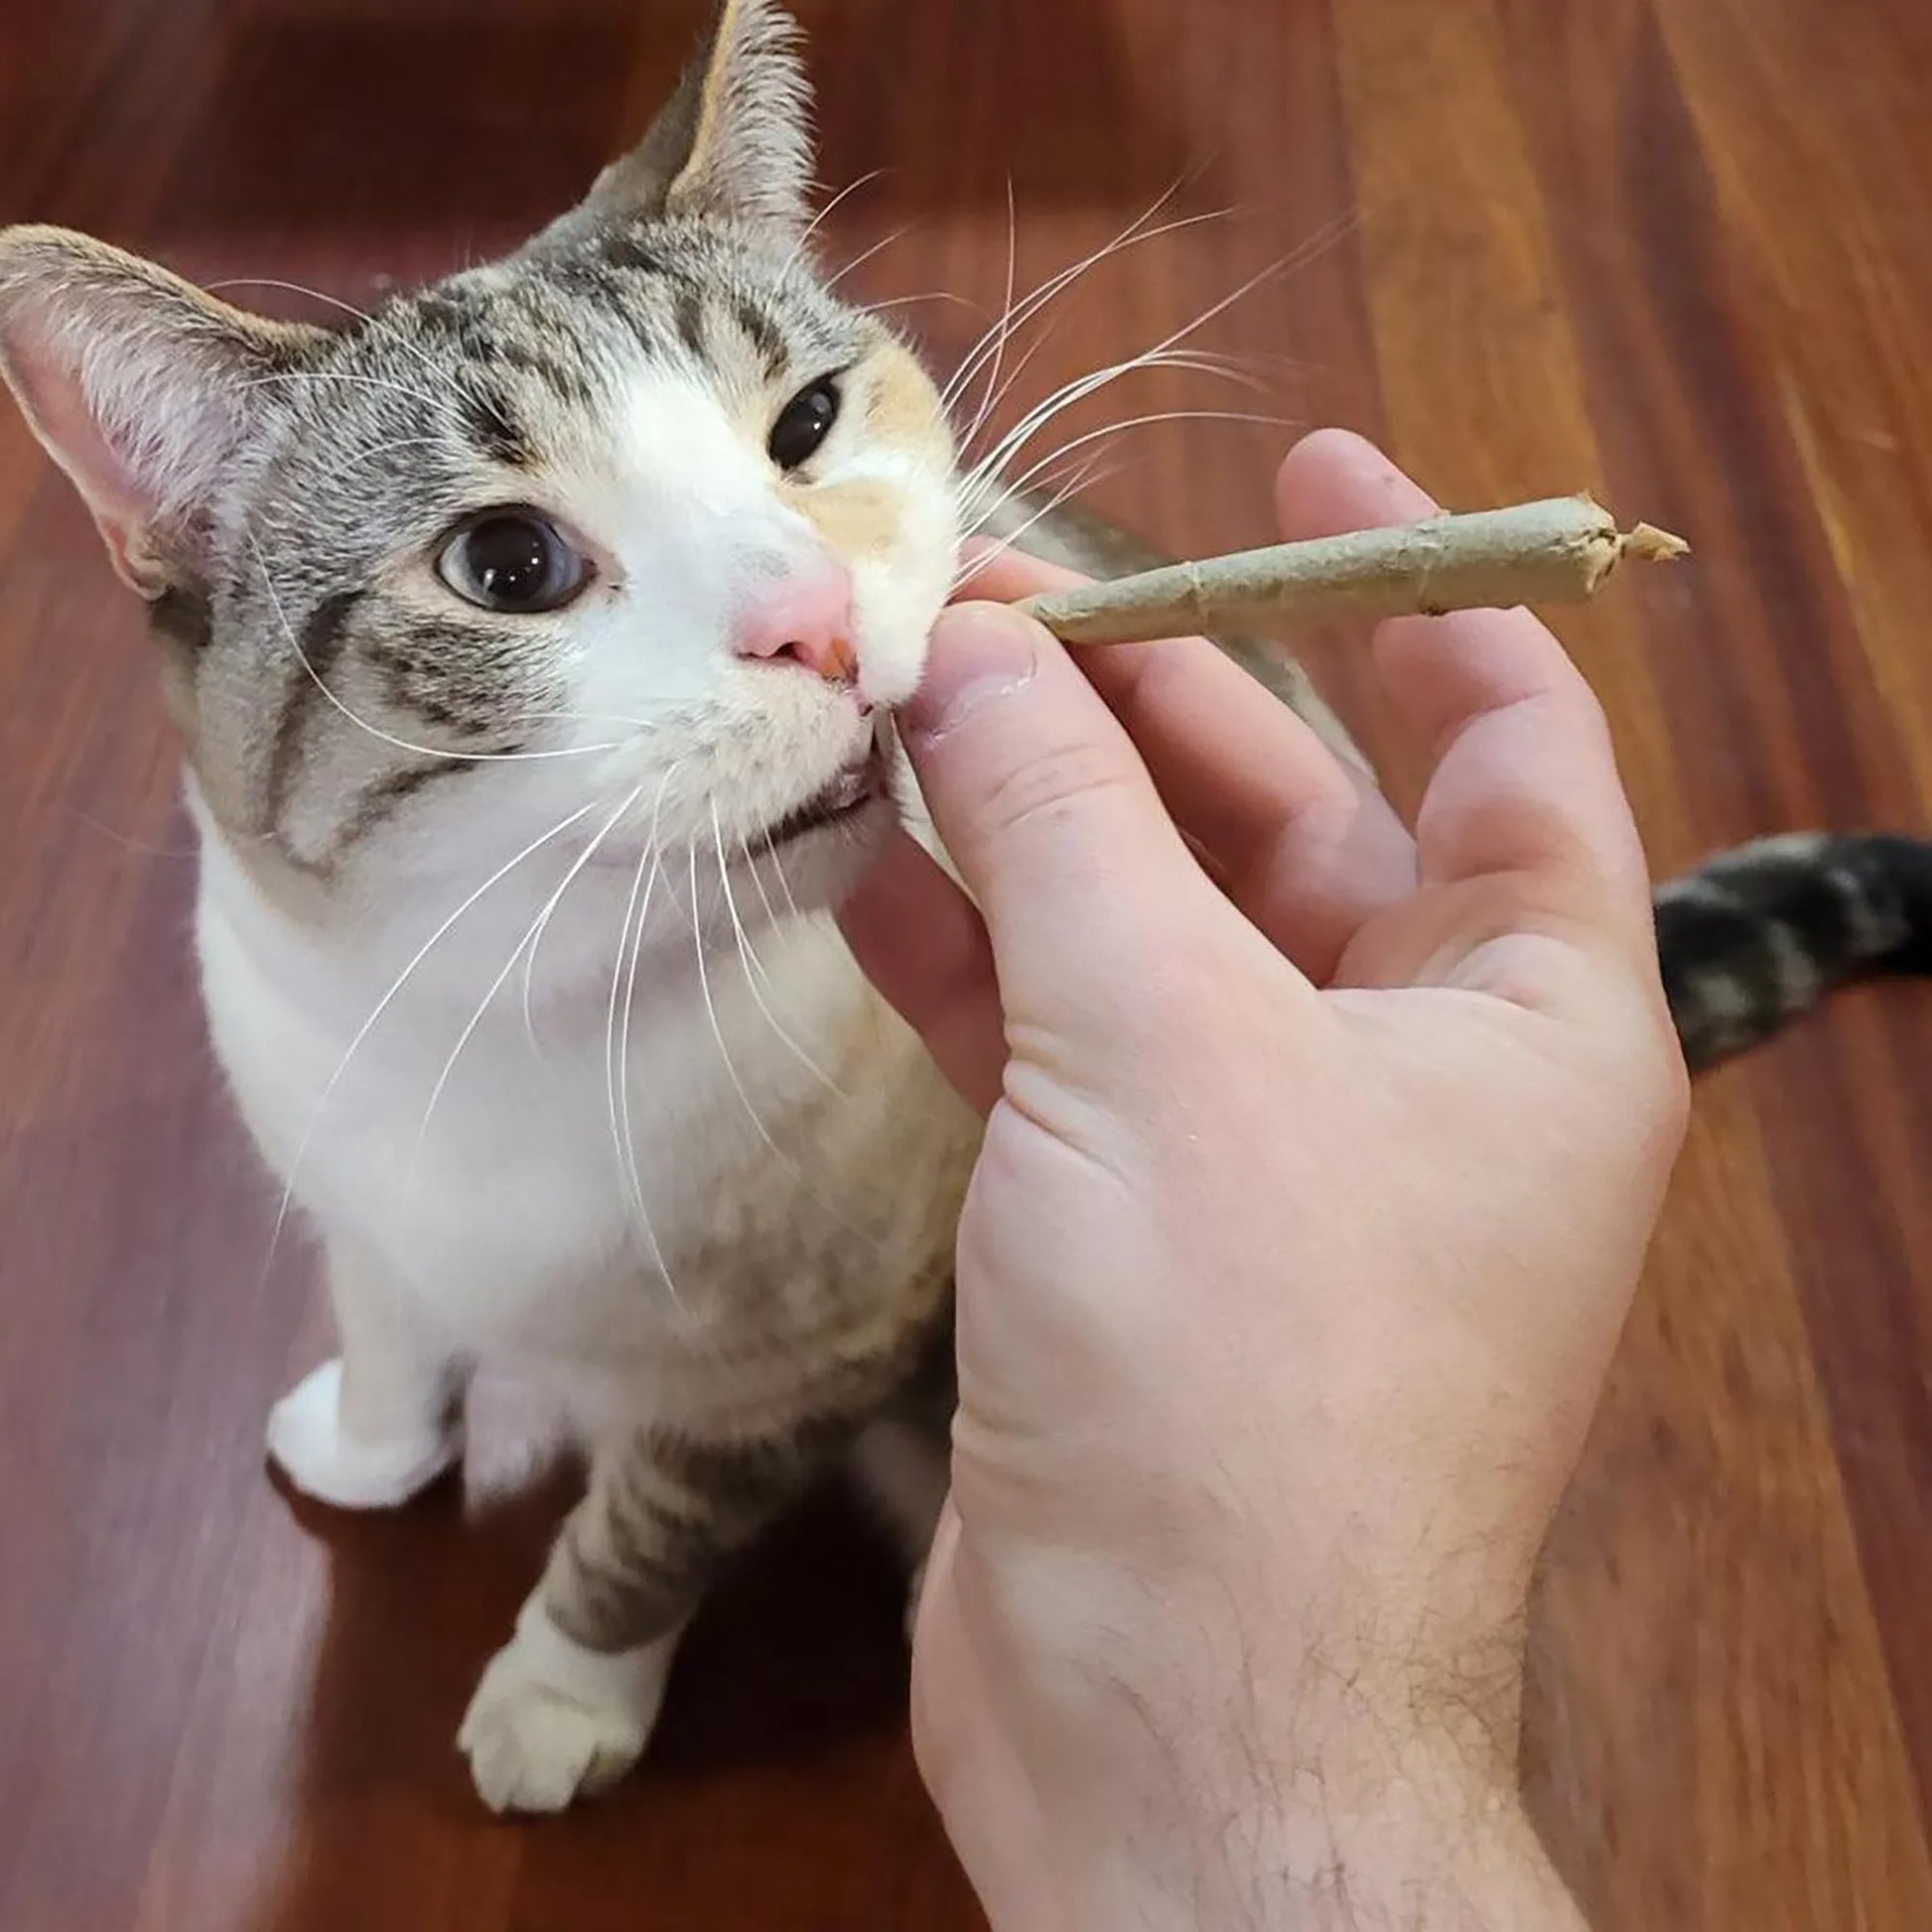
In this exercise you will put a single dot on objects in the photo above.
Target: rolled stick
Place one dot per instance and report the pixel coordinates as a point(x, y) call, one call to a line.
point(1559, 551)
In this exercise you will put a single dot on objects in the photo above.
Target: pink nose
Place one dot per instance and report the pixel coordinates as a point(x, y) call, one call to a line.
point(807, 617)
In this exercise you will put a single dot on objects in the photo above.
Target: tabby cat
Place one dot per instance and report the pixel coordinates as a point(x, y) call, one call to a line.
point(533, 640)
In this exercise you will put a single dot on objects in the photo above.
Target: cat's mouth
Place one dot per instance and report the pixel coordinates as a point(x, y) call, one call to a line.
point(845, 795)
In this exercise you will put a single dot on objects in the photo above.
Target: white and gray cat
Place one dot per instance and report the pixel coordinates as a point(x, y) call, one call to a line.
point(530, 640)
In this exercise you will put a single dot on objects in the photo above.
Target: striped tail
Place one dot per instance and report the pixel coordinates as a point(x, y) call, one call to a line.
point(1754, 937)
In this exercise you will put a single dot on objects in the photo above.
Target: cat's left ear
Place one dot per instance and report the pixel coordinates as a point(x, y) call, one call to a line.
point(733, 143)
point(141, 387)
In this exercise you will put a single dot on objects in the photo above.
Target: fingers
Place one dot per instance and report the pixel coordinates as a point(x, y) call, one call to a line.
point(919, 940)
point(1306, 847)
point(1050, 816)
point(1525, 785)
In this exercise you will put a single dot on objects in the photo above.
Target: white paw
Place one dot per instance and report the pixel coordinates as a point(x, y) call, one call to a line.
point(308, 1443)
point(551, 1720)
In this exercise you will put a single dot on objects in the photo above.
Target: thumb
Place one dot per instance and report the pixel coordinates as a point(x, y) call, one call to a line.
point(1048, 812)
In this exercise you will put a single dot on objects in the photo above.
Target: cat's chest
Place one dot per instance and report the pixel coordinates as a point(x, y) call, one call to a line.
point(546, 1179)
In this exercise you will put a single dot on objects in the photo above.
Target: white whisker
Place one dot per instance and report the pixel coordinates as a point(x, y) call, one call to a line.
point(1036, 419)
point(771, 919)
point(784, 883)
point(924, 295)
point(778, 1154)
point(812, 226)
point(755, 972)
point(860, 260)
point(1133, 235)
point(1067, 448)
point(1005, 335)
point(383, 1005)
point(509, 965)
point(1083, 477)
point(617, 1038)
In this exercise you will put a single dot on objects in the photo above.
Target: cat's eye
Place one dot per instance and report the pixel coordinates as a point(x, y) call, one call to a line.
point(512, 560)
point(803, 424)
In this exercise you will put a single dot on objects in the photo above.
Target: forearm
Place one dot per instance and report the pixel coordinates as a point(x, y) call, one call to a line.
point(1330, 1800)
point(1418, 1859)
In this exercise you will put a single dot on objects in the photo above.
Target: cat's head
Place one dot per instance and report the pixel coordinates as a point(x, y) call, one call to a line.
point(642, 523)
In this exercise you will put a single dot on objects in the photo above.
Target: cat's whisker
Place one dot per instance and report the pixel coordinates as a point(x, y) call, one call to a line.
point(784, 883)
point(864, 255)
point(983, 490)
point(1044, 291)
point(970, 433)
point(986, 477)
point(509, 966)
point(993, 390)
point(1030, 424)
point(924, 295)
point(1164, 354)
point(1136, 234)
point(771, 920)
point(736, 1081)
point(1075, 390)
point(755, 972)
point(1083, 477)
point(1067, 448)
point(813, 225)
point(536, 943)
point(618, 1034)
point(383, 1005)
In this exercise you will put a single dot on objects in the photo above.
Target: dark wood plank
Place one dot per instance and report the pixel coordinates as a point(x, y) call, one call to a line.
point(1674, 252)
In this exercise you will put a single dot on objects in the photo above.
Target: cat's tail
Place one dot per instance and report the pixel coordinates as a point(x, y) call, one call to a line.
point(1758, 935)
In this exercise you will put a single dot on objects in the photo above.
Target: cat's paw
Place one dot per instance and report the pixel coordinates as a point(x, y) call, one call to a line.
point(551, 1722)
point(307, 1445)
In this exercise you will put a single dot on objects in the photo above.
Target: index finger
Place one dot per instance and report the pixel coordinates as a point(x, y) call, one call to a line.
point(1303, 844)
point(1524, 786)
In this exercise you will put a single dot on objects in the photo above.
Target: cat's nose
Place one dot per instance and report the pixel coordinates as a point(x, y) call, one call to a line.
point(805, 617)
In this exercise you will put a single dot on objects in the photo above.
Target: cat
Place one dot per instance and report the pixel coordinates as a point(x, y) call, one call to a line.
point(533, 642)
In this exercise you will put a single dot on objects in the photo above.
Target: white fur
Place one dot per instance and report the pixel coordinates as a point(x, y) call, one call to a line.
point(523, 1216)
point(551, 1720)
point(311, 1443)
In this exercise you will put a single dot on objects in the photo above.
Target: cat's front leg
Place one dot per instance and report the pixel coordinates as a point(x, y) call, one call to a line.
point(377, 1424)
point(566, 1706)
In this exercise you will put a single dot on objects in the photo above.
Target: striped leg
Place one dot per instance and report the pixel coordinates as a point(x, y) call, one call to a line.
point(568, 1704)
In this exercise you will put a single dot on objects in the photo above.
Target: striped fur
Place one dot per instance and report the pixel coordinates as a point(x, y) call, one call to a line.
point(1758, 936)
point(747, 1273)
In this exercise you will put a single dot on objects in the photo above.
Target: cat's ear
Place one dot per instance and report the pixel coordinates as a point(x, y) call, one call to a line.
point(139, 385)
point(735, 139)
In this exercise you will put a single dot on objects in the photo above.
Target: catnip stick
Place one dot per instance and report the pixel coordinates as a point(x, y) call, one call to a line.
point(1559, 551)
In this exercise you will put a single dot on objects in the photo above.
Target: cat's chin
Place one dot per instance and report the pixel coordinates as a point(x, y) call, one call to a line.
point(805, 863)
point(817, 864)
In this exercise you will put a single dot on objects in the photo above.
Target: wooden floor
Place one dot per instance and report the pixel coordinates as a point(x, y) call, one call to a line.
point(1678, 251)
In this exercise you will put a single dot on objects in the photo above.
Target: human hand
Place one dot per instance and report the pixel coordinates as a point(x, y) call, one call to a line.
point(1310, 1204)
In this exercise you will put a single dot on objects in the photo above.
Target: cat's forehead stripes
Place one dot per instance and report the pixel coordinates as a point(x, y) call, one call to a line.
point(571, 323)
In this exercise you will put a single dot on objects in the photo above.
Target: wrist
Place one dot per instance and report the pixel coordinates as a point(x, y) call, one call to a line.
point(1347, 1797)
point(1317, 1845)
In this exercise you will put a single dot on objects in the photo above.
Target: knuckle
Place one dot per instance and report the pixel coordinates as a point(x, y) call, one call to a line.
point(1063, 781)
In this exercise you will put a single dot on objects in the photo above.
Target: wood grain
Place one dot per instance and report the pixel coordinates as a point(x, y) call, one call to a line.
point(1671, 250)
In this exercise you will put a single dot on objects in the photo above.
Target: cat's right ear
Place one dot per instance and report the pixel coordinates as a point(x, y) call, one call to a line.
point(733, 143)
point(138, 384)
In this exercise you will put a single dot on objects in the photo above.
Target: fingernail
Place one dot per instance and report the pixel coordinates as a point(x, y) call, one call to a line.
point(979, 653)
